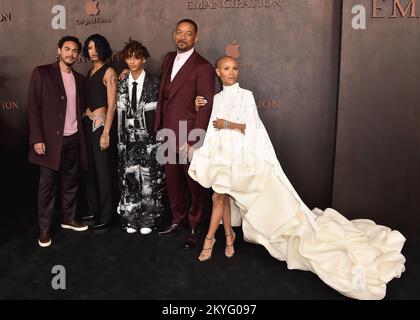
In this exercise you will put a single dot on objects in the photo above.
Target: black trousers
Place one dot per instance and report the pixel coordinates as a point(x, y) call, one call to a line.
point(99, 179)
point(69, 169)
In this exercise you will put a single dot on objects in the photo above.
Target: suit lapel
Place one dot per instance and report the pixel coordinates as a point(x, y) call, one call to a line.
point(146, 85)
point(168, 67)
point(183, 74)
point(125, 93)
point(123, 96)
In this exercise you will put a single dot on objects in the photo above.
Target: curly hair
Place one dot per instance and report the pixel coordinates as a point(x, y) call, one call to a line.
point(101, 45)
point(69, 38)
point(134, 48)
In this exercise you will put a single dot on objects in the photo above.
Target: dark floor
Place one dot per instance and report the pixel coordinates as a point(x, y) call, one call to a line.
point(116, 265)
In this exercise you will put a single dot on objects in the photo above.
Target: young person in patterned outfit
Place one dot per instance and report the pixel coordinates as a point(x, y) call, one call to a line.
point(141, 177)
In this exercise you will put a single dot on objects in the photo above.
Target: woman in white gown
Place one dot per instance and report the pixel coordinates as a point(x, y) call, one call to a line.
point(357, 258)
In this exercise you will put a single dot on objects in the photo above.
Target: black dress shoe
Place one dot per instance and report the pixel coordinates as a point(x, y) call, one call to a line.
point(171, 229)
point(100, 226)
point(88, 218)
point(192, 240)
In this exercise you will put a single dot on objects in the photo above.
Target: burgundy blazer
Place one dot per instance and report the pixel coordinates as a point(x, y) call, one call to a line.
point(47, 102)
point(196, 77)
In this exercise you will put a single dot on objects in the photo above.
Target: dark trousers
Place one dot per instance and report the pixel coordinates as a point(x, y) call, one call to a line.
point(180, 188)
point(99, 175)
point(69, 169)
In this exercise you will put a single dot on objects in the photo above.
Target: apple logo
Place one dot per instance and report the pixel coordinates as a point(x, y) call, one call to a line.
point(91, 7)
point(232, 50)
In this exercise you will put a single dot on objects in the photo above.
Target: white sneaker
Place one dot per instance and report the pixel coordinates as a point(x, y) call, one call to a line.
point(131, 230)
point(145, 230)
point(44, 244)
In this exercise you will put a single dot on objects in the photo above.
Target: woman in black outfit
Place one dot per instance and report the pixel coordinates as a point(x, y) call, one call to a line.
point(101, 91)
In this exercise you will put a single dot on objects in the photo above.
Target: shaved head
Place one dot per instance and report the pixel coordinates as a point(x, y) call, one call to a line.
point(220, 60)
point(227, 70)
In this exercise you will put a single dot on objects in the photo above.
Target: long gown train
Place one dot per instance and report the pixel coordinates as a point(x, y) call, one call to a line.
point(357, 258)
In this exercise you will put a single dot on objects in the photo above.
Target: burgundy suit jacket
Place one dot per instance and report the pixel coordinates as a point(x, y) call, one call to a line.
point(196, 77)
point(47, 104)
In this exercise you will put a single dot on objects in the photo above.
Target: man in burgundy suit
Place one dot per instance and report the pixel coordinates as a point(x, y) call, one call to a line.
point(56, 136)
point(185, 75)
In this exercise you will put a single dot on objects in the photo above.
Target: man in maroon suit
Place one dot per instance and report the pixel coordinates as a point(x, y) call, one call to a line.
point(56, 135)
point(185, 75)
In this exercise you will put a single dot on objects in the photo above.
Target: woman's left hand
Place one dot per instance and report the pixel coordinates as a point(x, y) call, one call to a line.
point(218, 123)
point(104, 141)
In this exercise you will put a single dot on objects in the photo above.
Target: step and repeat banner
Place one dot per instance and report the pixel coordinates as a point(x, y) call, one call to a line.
point(300, 58)
point(377, 162)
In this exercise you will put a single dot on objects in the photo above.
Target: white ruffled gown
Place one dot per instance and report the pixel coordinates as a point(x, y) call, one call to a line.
point(357, 258)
